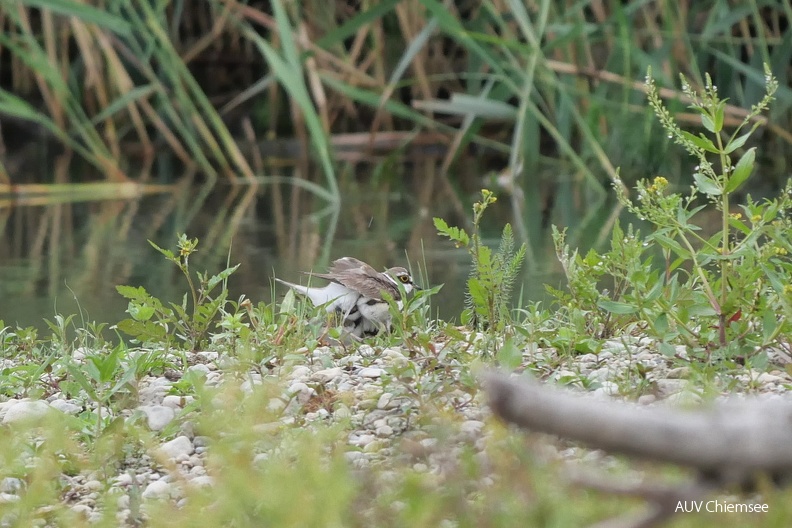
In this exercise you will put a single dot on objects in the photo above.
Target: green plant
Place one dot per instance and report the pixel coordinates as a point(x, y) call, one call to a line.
point(727, 292)
point(492, 274)
point(103, 375)
point(410, 323)
point(151, 320)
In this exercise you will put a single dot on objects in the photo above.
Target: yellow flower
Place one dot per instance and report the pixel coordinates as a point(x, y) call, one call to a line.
point(736, 216)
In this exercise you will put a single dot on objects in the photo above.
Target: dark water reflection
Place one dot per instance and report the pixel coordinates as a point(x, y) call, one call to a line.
point(67, 258)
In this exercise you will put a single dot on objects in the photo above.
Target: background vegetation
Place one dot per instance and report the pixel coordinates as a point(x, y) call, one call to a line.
point(551, 88)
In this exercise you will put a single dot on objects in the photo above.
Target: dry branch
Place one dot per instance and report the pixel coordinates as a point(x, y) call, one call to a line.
point(729, 443)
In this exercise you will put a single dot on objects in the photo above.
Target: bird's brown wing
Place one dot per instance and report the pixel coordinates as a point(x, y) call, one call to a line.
point(340, 267)
point(360, 277)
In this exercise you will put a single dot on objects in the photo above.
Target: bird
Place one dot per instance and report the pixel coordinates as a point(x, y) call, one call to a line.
point(355, 293)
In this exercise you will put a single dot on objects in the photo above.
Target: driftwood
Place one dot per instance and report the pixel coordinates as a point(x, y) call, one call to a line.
point(729, 443)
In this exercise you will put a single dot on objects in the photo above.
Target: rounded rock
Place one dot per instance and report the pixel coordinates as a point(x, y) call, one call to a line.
point(181, 445)
point(371, 372)
point(158, 416)
point(26, 411)
point(326, 375)
point(65, 406)
point(159, 489)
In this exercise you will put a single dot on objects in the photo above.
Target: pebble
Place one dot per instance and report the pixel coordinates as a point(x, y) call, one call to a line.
point(371, 372)
point(767, 378)
point(157, 416)
point(472, 427)
point(384, 423)
point(326, 375)
point(159, 489)
point(678, 373)
point(11, 485)
point(179, 446)
point(300, 372)
point(203, 481)
point(646, 399)
point(176, 402)
point(301, 392)
point(26, 410)
point(66, 407)
point(384, 430)
point(667, 387)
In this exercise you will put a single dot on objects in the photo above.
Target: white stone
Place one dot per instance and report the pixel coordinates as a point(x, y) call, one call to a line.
point(81, 509)
point(300, 372)
point(609, 388)
point(173, 401)
point(159, 489)
point(158, 416)
point(6, 498)
point(471, 426)
point(301, 392)
point(65, 407)
point(123, 502)
point(200, 368)
point(342, 412)
point(248, 385)
point(323, 376)
point(371, 372)
point(203, 481)
point(363, 440)
point(600, 374)
point(384, 431)
point(10, 485)
point(124, 479)
point(667, 387)
point(765, 377)
point(26, 410)
point(181, 445)
point(93, 485)
point(646, 399)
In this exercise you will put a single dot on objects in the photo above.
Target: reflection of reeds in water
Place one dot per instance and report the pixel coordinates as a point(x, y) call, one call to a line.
point(95, 238)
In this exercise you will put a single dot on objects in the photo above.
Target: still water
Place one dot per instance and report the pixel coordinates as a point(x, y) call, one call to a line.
point(66, 258)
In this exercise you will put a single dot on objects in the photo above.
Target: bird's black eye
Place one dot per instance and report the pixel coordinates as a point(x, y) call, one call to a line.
point(404, 278)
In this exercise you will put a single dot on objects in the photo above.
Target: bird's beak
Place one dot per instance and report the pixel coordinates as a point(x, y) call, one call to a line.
point(415, 286)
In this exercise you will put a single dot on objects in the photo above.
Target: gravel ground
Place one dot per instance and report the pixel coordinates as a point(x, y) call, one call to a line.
point(385, 410)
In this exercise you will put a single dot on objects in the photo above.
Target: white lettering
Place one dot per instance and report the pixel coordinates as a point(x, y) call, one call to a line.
point(688, 506)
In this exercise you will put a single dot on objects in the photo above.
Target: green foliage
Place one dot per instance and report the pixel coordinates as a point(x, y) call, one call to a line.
point(152, 321)
point(725, 294)
point(492, 275)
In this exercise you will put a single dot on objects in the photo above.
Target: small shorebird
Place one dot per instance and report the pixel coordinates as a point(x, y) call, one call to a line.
point(355, 293)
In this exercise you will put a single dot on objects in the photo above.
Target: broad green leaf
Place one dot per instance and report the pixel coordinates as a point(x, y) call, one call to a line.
point(509, 356)
point(706, 185)
point(220, 277)
point(666, 349)
point(701, 142)
point(769, 324)
point(737, 143)
point(132, 292)
point(742, 170)
point(718, 117)
point(140, 312)
point(617, 307)
point(165, 252)
point(708, 123)
point(461, 104)
point(454, 233)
